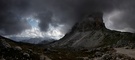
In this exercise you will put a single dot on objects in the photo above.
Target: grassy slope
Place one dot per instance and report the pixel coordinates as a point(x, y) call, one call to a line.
point(112, 37)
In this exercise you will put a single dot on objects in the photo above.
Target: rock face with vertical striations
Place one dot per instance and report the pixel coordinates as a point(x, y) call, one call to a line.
point(91, 32)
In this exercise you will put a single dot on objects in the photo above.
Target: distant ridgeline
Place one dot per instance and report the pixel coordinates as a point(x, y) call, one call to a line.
point(91, 32)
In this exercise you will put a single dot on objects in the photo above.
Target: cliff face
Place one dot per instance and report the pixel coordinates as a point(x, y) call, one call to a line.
point(91, 32)
point(90, 22)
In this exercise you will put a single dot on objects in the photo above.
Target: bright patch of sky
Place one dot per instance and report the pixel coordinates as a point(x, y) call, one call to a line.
point(35, 32)
point(33, 21)
point(54, 32)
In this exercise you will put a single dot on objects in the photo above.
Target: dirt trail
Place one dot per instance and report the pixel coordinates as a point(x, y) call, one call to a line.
point(128, 52)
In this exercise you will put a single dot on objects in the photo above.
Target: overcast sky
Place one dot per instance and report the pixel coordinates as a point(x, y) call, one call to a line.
point(54, 18)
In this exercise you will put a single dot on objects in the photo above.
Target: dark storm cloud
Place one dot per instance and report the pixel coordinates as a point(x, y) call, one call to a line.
point(10, 16)
point(62, 12)
point(45, 20)
point(55, 12)
point(68, 12)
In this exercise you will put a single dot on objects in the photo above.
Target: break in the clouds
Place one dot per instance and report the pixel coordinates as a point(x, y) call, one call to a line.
point(61, 15)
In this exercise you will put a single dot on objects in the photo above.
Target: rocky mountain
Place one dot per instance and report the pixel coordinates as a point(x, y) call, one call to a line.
point(91, 32)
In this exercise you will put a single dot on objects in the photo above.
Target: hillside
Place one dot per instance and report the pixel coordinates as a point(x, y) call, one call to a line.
point(11, 50)
point(91, 32)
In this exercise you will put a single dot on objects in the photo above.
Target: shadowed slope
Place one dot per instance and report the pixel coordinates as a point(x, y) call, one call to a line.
point(91, 32)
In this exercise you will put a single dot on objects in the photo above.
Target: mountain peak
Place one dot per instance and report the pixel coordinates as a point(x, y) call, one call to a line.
point(90, 22)
point(91, 32)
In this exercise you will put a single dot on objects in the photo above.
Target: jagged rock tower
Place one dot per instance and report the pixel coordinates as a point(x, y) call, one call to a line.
point(93, 21)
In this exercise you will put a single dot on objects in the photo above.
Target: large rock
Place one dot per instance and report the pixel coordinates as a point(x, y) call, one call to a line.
point(43, 57)
point(106, 57)
point(2, 59)
point(122, 43)
point(4, 44)
point(18, 48)
point(26, 54)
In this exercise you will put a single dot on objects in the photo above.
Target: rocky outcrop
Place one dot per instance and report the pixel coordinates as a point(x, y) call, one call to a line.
point(17, 48)
point(91, 32)
point(4, 44)
point(10, 51)
point(93, 21)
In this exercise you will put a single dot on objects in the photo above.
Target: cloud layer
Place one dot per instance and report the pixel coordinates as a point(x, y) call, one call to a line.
point(10, 16)
point(68, 12)
point(64, 12)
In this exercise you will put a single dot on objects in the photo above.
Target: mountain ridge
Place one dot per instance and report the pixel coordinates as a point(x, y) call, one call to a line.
point(91, 32)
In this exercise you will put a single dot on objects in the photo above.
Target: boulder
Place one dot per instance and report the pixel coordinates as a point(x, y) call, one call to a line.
point(18, 48)
point(43, 57)
point(82, 58)
point(106, 57)
point(2, 59)
point(26, 54)
point(98, 54)
point(122, 43)
point(4, 44)
point(30, 50)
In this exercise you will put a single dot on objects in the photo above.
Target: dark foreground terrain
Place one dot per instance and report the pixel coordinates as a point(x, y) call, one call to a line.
point(10, 50)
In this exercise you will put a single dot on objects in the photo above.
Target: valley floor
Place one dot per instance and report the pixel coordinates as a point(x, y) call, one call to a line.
point(10, 50)
point(128, 52)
